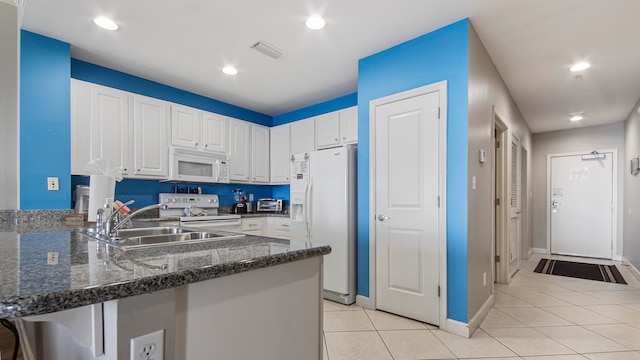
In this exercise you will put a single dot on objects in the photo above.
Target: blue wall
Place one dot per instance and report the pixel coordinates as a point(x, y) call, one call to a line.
point(439, 55)
point(100, 75)
point(317, 109)
point(44, 122)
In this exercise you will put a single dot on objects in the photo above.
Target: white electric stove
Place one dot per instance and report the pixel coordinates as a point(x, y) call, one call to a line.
point(198, 211)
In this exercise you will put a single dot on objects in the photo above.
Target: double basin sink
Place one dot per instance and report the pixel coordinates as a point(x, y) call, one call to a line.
point(156, 236)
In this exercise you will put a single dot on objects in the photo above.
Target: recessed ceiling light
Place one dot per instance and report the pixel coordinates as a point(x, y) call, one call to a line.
point(580, 66)
point(105, 23)
point(230, 70)
point(576, 117)
point(315, 22)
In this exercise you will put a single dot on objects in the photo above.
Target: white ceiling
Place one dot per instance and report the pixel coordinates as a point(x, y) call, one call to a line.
point(185, 44)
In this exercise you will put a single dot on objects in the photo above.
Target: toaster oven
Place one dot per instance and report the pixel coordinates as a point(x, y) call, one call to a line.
point(269, 205)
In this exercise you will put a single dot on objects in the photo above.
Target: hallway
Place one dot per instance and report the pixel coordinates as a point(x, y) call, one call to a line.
point(535, 317)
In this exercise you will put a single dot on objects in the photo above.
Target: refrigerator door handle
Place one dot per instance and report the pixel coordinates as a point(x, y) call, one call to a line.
point(307, 207)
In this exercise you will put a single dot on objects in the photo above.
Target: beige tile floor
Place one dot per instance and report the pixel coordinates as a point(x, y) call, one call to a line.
point(536, 317)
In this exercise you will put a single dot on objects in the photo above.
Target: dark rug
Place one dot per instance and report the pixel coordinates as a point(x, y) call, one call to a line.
point(606, 273)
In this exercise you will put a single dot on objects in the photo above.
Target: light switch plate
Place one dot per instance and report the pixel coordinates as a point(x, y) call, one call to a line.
point(483, 156)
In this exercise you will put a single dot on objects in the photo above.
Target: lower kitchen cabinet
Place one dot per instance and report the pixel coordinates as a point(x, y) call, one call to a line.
point(252, 226)
point(278, 227)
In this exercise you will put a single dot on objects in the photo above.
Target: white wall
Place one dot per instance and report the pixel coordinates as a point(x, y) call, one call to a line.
point(631, 212)
point(9, 55)
point(487, 91)
point(566, 141)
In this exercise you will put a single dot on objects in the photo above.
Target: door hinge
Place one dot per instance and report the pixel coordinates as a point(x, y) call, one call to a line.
point(438, 112)
point(497, 202)
point(497, 258)
point(438, 290)
point(438, 201)
point(497, 144)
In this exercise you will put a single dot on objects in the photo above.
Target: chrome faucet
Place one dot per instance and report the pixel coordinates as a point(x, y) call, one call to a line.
point(130, 216)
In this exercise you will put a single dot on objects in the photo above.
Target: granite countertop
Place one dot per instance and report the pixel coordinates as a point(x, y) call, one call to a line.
point(88, 271)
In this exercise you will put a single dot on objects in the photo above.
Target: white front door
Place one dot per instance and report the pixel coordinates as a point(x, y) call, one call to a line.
point(582, 205)
point(406, 207)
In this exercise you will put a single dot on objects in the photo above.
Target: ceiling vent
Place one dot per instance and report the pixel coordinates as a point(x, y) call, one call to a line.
point(267, 49)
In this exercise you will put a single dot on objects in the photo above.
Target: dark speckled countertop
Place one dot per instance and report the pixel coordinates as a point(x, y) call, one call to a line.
point(89, 271)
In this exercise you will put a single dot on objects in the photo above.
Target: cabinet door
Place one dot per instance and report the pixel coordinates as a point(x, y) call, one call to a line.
point(349, 125)
point(327, 130)
point(214, 133)
point(260, 154)
point(280, 137)
point(303, 136)
point(109, 126)
point(185, 126)
point(79, 127)
point(239, 150)
point(150, 123)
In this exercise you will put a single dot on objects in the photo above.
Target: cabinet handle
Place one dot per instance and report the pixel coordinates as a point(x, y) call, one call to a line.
point(336, 139)
point(206, 145)
point(125, 169)
point(344, 138)
point(138, 170)
point(196, 144)
point(253, 224)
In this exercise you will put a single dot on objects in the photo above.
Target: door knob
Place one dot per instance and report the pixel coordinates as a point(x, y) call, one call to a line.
point(383, 218)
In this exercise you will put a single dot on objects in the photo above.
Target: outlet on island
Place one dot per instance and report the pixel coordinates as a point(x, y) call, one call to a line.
point(148, 347)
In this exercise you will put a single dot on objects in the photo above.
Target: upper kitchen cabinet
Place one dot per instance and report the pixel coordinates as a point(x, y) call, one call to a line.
point(186, 126)
point(337, 128)
point(100, 126)
point(260, 154)
point(127, 130)
point(302, 136)
point(199, 130)
point(150, 128)
point(239, 150)
point(280, 152)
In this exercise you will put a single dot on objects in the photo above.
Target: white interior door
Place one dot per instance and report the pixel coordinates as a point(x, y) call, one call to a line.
point(515, 208)
point(582, 205)
point(407, 217)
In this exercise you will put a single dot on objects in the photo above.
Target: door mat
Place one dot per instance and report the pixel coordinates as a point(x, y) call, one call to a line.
point(606, 273)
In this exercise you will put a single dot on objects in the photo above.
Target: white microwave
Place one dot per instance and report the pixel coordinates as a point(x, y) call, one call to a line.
point(197, 166)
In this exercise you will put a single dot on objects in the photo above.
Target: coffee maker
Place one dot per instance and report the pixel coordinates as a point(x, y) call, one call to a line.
point(240, 204)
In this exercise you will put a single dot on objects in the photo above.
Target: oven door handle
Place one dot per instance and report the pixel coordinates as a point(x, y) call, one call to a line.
point(210, 223)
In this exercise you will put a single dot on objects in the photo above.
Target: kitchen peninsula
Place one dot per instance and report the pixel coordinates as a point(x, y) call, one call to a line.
point(238, 298)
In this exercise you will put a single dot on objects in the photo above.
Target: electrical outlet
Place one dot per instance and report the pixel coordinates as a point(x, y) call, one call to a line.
point(52, 258)
point(52, 183)
point(148, 347)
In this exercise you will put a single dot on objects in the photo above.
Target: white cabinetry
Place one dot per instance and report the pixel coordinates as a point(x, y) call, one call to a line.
point(127, 130)
point(200, 130)
point(280, 152)
point(185, 126)
point(252, 226)
point(303, 136)
point(239, 150)
point(260, 154)
point(214, 132)
point(278, 227)
point(337, 128)
point(150, 126)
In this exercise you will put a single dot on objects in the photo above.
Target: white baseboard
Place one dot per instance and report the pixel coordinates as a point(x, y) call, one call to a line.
point(475, 321)
point(365, 302)
point(539, 251)
point(529, 253)
point(632, 268)
point(458, 328)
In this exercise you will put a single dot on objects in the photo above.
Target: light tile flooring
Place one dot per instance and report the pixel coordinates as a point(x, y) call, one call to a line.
point(535, 317)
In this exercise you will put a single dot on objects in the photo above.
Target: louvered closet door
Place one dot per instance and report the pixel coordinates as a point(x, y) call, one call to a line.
point(515, 211)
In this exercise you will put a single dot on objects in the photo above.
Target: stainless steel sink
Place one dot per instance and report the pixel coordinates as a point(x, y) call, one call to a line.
point(157, 236)
point(150, 231)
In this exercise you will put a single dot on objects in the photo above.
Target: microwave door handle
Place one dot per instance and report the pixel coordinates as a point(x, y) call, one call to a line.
point(218, 172)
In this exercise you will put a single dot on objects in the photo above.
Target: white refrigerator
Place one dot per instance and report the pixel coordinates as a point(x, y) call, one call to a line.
point(323, 210)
